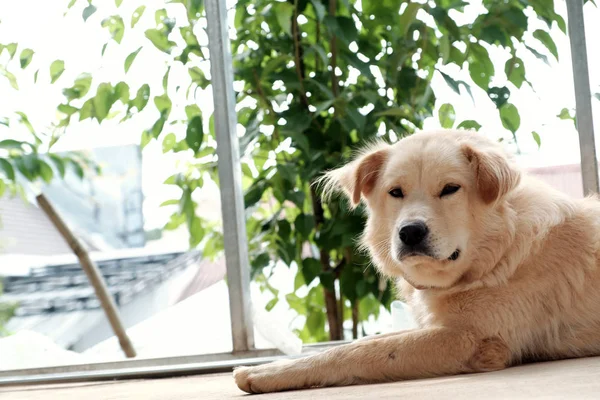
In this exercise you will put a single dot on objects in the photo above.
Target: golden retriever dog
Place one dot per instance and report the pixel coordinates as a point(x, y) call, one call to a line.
point(497, 267)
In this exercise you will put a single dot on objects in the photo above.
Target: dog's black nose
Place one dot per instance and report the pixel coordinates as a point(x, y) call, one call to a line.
point(413, 233)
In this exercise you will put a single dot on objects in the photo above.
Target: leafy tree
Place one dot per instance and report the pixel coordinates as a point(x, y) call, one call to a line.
point(314, 80)
point(26, 157)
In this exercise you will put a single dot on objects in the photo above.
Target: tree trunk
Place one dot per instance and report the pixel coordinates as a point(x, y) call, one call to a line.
point(355, 320)
point(330, 297)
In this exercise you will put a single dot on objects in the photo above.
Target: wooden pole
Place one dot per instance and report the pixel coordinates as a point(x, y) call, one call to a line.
point(93, 275)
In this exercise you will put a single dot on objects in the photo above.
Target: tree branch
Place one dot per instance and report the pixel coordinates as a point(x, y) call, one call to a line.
point(333, 48)
point(268, 104)
point(355, 320)
point(298, 61)
point(330, 296)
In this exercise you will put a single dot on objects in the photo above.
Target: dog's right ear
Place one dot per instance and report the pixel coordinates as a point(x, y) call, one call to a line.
point(494, 174)
point(358, 178)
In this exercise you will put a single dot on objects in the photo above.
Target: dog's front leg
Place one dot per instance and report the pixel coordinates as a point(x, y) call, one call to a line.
point(412, 354)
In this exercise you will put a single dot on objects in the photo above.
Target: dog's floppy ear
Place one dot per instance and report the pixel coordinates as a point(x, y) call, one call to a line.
point(359, 177)
point(494, 175)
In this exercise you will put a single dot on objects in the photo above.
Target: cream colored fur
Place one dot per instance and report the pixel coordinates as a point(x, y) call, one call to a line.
point(526, 285)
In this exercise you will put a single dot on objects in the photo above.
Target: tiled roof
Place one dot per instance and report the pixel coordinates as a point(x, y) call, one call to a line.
point(65, 288)
point(25, 229)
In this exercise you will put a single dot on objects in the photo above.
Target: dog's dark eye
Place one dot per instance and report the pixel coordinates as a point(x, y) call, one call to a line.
point(449, 189)
point(397, 192)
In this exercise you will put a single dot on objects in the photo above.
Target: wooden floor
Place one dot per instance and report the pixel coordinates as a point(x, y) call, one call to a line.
point(569, 379)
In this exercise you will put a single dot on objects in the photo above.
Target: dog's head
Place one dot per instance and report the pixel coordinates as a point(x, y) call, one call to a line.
point(427, 196)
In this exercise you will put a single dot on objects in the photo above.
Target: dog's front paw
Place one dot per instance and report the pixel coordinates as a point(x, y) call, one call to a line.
point(267, 378)
point(259, 379)
point(242, 378)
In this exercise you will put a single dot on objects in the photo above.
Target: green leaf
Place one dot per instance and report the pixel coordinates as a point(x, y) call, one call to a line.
point(547, 41)
point(103, 101)
point(447, 115)
point(56, 69)
point(499, 95)
point(254, 194)
point(320, 10)
point(141, 98)
point(455, 85)
point(174, 180)
point(198, 77)
point(25, 121)
point(59, 163)
point(539, 55)
point(296, 303)
point(311, 267)
point(160, 40)
point(565, 113)
point(342, 27)
point(481, 72)
point(172, 202)
point(284, 11)
point(77, 168)
point(158, 126)
point(45, 171)
point(408, 17)
point(118, 3)
point(26, 57)
point(7, 168)
point(194, 9)
point(137, 14)
point(80, 88)
point(445, 48)
point(12, 49)
point(121, 92)
point(146, 138)
point(191, 110)
point(35, 76)
point(304, 225)
point(247, 171)
point(10, 144)
point(469, 125)
point(115, 26)
point(537, 138)
point(28, 165)
point(327, 280)
point(12, 79)
point(88, 11)
point(194, 133)
point(130, 58)
point(67, 109)
point(515, 71)
point(315, 322)
point(169, 142)
point(165, 79)
point(509, 115)
point(272, 303)
point(163, 104)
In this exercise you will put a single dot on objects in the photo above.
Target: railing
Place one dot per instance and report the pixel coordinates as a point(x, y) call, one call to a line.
point(234, 226)
point(583, 97)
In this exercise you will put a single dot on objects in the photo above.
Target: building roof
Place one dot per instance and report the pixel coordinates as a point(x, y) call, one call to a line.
point(56, 299)
point(65, 288)
point(25, 229)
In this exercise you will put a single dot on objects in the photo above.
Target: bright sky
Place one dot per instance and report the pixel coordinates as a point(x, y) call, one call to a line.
point(42, 27)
